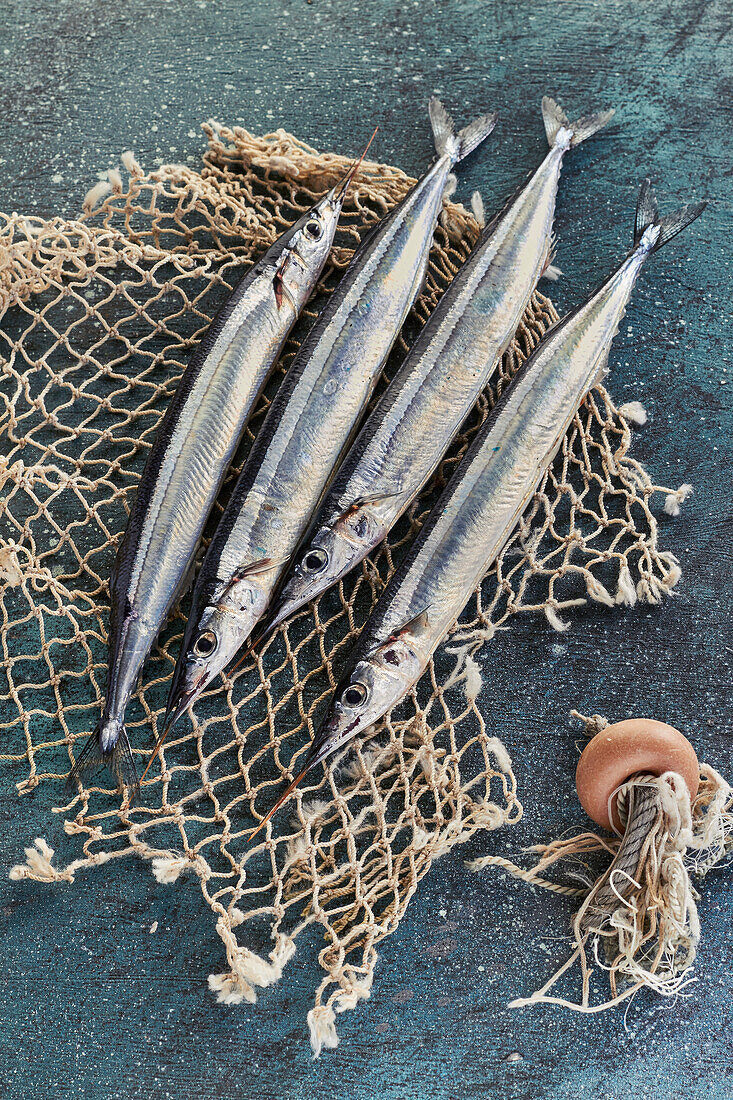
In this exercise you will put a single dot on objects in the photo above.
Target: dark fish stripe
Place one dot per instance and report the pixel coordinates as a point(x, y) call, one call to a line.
point(209, 578)
point(171, 418)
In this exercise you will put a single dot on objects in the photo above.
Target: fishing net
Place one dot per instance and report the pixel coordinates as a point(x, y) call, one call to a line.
point(99, 318)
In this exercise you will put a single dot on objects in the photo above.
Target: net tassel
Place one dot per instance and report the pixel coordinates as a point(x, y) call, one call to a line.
point(638, 920)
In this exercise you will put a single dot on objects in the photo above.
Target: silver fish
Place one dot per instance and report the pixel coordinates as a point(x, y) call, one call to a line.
point(484, 500)
point(193, 447)
point(450, 363)
point(311, 422)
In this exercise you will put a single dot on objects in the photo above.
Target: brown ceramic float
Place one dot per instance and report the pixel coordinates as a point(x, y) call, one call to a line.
point(635, 746)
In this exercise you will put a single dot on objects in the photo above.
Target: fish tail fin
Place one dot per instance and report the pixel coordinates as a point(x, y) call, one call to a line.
point(647, 216)
point(117, 756)
point(559, 128)
point(457, 145)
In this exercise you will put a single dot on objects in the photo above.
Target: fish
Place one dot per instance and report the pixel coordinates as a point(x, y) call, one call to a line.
point(311, 422)
point(484, 500)
point(192, 450)
point(439, 381)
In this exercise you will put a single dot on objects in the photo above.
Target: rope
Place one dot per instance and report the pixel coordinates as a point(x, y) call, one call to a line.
point(531, 876)
point(643, 815)
point(639, 919)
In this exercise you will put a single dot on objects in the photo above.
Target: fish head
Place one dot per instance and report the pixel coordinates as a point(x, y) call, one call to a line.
point(370, 689)
point(212, 640)
point(306, 252)
point(335, 549)
point(332, 552)
point(309, 242)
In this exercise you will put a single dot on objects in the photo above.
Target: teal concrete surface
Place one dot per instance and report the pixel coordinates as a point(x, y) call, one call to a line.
point(93, 1005)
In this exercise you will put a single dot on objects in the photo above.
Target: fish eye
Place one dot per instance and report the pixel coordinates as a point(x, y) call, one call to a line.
point(315, 560)
point(206, 643)
point(313, 229)
point(354, 695)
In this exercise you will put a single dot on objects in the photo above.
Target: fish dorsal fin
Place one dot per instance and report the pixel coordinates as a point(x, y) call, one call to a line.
point(417, 622)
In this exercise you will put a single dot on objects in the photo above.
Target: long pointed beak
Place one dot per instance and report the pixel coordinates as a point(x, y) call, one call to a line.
point(315, 755)
point(170, 720)
point(273, 810)
point(341, 189)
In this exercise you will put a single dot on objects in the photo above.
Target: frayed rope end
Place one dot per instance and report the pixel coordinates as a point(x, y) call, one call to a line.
point(39, 866)
point(673, 501)
point(231, 990)
point(634, 412)
point(167, 869)
point(322, 1025)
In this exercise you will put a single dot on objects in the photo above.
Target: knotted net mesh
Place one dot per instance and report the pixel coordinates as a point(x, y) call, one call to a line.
point(99, 318)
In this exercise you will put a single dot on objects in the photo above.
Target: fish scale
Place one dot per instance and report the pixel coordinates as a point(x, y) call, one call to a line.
point(311, 422)
point(438, 383)
point(484, 500)
point(194, 445)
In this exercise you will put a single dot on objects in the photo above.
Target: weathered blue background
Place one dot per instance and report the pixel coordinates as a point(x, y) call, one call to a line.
point(93, 1005)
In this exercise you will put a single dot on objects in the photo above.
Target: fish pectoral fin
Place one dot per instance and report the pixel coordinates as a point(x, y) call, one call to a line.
point(186, 581)
point(549, 270)
point(278, 283)
point(418, 622)
point(252, 569)
point(388, 493)
point(281, 291)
